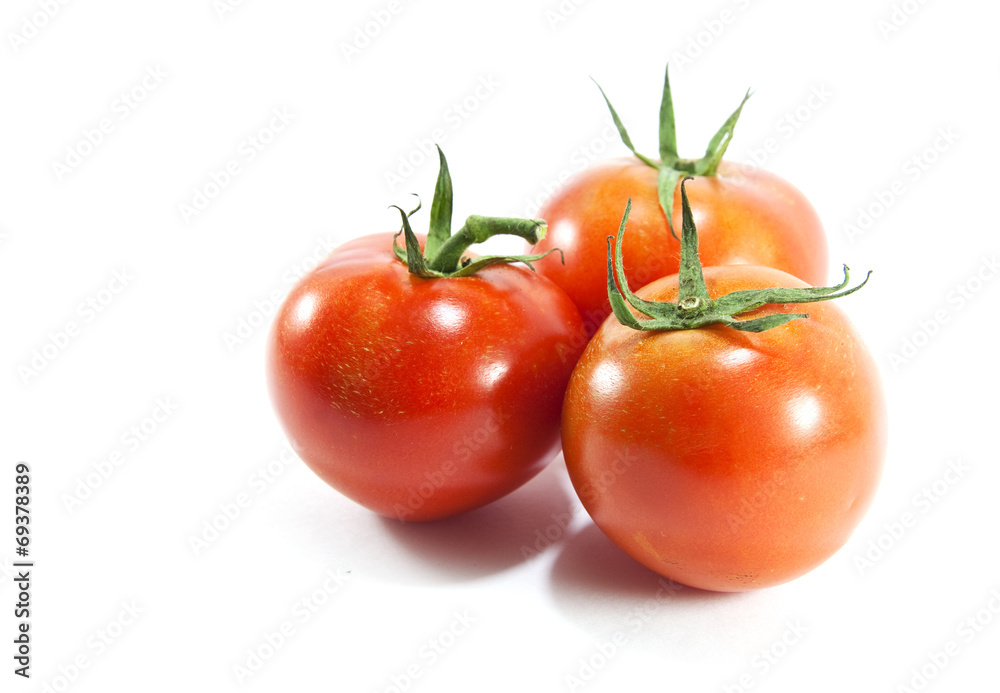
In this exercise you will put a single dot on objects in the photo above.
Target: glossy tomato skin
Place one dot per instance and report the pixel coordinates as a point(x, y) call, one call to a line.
point(421, 398)
point(722, 459)
point(744, 215)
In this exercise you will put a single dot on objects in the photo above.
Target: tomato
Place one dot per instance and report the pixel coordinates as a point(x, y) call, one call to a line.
point(744, 215)
point(421, 397)
point(721, 458)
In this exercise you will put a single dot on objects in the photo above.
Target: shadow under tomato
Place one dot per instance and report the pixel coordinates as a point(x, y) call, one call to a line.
point(605, 591)
point(482, 542)
point(591, 564)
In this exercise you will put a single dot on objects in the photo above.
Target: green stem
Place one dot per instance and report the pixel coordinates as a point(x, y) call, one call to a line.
point(444, 253)
point(478, 229)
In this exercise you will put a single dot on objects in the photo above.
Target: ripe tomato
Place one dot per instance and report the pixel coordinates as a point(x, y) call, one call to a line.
point(422, 387)
point(421, 398)
point(744, 215)
point(722, 459)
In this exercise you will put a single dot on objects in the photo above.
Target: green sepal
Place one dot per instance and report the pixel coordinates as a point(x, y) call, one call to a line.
point(744, 301)
point(694, 307)
point(441, 207)
point(717, 146)
point(618, 305)
point(768, 322)
point(668, 129)
point(412, 256)
point(671, 166)
point(648, 308)
point(692, 280)
point(473, 266)
point(666, 183)
point(622, 132)
point(400, 252)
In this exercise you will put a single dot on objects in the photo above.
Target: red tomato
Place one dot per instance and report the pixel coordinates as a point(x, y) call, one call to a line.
point(421, 398)
point(744, 215)
point(722, 459)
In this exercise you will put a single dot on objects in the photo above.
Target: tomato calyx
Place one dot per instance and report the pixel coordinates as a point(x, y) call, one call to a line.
point(671, 166)
point(444, 253)
point(694, 307)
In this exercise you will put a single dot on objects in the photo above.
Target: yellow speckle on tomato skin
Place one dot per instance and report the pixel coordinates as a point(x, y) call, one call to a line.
point(646, 545)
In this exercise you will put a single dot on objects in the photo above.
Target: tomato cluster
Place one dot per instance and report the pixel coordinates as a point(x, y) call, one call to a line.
point(713, 431)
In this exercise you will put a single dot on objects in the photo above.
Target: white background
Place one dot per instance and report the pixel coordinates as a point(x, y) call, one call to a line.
point(161, 337)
